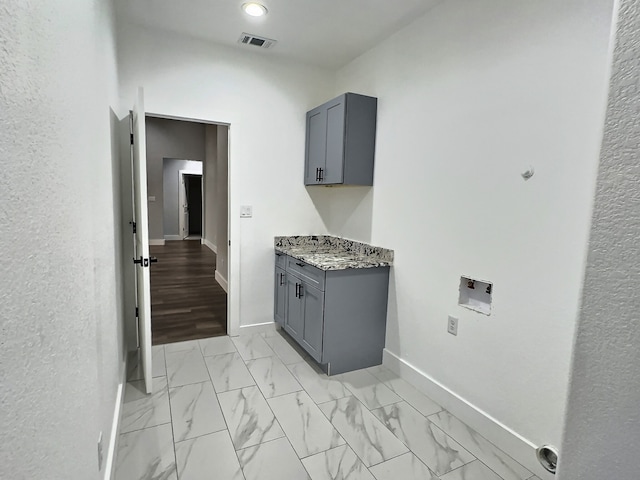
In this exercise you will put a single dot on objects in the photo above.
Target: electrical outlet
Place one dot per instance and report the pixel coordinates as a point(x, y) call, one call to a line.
point(452, 325)
point(100, 456)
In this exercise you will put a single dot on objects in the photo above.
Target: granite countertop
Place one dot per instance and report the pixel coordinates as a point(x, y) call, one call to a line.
point(333, 253)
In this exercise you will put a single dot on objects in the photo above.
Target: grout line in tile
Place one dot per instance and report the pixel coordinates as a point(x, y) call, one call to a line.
point(173, 434)
point(224, 419)
point(499, 476)
point(317, 405)
point(387, 459)
point(383, 426)
point(200, 436)
point(481, 436)
point(144, 428)
point(277, 421)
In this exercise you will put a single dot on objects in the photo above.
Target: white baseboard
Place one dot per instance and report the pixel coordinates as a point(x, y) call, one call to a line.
point(173, 237)
point(156, 241)
point(514, 444)
point(223, 283)
point(109, 465)
point(258, 328)
point(211, 246)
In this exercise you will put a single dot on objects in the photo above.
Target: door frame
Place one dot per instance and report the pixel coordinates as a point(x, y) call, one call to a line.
point(181, 198)
point(227, 119)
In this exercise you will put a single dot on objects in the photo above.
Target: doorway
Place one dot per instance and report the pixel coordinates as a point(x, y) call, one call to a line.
point(188, 283)
point(191, 206)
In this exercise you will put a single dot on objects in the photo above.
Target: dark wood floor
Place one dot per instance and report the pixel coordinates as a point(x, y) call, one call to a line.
point(186, 301)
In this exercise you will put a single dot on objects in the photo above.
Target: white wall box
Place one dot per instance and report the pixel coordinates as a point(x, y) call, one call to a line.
point(341, 138)
point(475, 295)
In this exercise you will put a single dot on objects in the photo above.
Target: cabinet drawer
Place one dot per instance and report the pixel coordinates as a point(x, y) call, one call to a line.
point(305, 272)
point(281, 260)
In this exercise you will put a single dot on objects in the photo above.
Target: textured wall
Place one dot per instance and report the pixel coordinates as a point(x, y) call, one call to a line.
point(470, 95)
point(60, 333)
point(602, 431)
point(168, 139)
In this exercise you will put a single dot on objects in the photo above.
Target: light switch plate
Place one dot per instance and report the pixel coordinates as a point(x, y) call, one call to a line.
point(246, 211)
point(152, 198)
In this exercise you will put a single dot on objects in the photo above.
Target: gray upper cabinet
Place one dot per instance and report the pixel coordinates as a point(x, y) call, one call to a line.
point(341, 137)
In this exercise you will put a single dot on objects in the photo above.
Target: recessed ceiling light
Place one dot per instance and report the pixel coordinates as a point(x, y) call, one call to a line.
point(254, 9)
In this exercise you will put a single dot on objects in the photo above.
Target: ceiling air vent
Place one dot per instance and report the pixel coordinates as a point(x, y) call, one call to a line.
point(256, 41)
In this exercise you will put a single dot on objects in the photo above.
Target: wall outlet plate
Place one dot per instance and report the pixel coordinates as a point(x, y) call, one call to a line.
point(452, 325)
point(246, 211)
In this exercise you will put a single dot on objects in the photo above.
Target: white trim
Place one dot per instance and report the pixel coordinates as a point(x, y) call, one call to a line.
point(109, 465)
point(156, 241)
point(514, 444)
point(173, 237)
point(221, 280)
point(211, 246)
point(258, 328)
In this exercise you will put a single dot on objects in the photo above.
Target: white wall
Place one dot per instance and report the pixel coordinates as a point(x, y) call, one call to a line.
point(264, 100)
point(470, 95)
point(62, 349)
point(171, 192)
point(166, 139)
point(222, 201)
point(602, 432)
point(210, 233)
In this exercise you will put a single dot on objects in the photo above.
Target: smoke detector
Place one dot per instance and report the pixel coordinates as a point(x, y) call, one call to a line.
point(256, 41)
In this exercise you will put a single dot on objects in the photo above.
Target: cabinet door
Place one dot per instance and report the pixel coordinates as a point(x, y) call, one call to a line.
point(313, 315)
point(335, 137)
point(316, 146)
point(293, 313)
point(280, 296)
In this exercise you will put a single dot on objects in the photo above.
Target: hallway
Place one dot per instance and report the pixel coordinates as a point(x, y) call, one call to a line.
point(187, 303)
point(255, 408)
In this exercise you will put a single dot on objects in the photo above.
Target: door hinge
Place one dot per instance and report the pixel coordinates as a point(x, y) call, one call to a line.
point(137, 312)
point(131, 138)
point(133, 226)
point(229, 242)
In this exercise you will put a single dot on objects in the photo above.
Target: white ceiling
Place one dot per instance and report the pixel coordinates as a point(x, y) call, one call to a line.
point(326, 33)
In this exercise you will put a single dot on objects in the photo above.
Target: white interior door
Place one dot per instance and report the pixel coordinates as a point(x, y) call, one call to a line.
point(184, 206)
point(141, 219)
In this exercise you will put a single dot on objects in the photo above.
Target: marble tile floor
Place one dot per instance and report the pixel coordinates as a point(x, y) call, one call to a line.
point(257, 408)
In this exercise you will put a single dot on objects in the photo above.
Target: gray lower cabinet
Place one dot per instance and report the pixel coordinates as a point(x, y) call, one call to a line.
point(337, 316)
point(293, 315)
point(340, 141)
point(280, 296)
point(312, 301)
point(303, 317)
